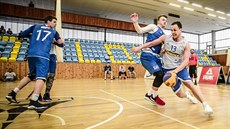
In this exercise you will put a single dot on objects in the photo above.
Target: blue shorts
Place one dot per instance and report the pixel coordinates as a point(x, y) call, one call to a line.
point(150, 62)
point(183, 75)
point(38, 67)
point(53, 59)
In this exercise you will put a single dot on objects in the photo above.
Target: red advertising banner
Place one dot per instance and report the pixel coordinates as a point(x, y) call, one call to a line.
point(209, 75)
point(228, 78)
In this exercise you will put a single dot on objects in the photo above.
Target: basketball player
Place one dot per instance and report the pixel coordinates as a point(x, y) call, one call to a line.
point(175, 59)
point(150, 56)
point(52, 71)
point(38, 59)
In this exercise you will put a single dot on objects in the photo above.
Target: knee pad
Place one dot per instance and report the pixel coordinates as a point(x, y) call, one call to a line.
point(31, 76)
point(158, 79)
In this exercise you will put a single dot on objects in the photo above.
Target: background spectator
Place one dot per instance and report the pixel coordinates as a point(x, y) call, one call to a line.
point(2, 30)
point(31, 4)
point(10, 75)
point(132, 73)
point(108, 70)
point(9, 31)
point(122, 72)
point(193, 64)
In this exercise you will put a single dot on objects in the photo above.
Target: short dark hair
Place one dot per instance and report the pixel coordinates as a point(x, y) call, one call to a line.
point(177, 23)
point(50, 18)
point(162, 15)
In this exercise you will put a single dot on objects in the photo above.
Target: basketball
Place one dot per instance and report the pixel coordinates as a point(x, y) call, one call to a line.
point(170, 79)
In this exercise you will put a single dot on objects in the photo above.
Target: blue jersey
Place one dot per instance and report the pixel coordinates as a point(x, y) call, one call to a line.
point(153, 36)
point(40, 40)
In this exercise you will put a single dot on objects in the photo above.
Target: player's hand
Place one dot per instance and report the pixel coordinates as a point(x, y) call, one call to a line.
point(135, 50)
point(162, 51)
point(134, 17)
point(174, 71)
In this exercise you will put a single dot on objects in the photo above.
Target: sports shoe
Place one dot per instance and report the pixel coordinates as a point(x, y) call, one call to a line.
point(11, 97)
point(191, 98)
point(36, 105)
point(207, 109)
point(155, 100)
point(195, 83)
point(46, 97)
point(40, 98)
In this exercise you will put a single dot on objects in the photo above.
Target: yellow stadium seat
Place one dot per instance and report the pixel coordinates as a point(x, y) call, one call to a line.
point(81, 58)
point(123, 62)
point(87, 61)
point(98, 61)
point(92, 61)
point(130, 58)
point(5, 38)
point(81, 61)
point(110, 53)
point(16, 49)
point(17, 44)
point(77, 43)
point(4, 59)
point(12, 59)
point(12, 38)
point(114, 62)
point(14, 54)
point(118, 62)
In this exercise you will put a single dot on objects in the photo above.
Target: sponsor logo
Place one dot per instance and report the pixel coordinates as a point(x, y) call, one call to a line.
point(208, 75)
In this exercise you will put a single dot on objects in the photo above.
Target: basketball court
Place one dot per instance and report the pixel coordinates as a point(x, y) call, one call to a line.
point(97, 103)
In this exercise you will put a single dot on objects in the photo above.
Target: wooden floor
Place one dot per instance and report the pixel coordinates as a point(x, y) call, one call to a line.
point(113, 104)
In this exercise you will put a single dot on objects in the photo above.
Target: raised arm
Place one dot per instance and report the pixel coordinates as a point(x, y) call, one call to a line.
point(149, 44)
point(141, 30)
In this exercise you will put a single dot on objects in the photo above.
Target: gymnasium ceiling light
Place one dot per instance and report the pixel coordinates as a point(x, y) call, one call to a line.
point(190, 9)
point(175, 5)
point(210, 9)
point(183, 1)
point(197, 5)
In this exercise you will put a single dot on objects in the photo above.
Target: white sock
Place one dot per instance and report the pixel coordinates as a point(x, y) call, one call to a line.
point(204, 103)
point(155, 93)
point(150, 92)
point(34, 97)
point(16, 90)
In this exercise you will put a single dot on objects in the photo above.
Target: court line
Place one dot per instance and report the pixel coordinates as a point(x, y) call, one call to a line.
point(151, 110)
point(93, 126)
point(107, 120)
point(46, 114)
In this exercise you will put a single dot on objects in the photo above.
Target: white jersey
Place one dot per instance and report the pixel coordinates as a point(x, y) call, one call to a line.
point(53, 49)
point(174, 52)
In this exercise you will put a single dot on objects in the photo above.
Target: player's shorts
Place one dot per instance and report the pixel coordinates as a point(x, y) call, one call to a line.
point(150, 62)
point(183, 75)
point(38, 67)
point(53, 64)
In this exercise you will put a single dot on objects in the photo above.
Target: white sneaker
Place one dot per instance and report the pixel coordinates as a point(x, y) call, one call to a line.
point(191, 98)
point(207, 109)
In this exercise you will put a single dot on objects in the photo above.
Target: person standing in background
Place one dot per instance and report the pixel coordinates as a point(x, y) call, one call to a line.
point(193, 64)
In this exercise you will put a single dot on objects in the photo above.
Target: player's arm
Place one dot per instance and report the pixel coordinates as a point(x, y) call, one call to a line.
point(27, 33)
point(59, 41)
point(141, 30)
point(197, 62)
point(149, 44)
point(185, 60)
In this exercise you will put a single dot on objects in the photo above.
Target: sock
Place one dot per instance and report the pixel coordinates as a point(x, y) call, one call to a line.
point(150, 92)
point(204, 103)
point(35, 97)
point(155, 93)
point(16, 90)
